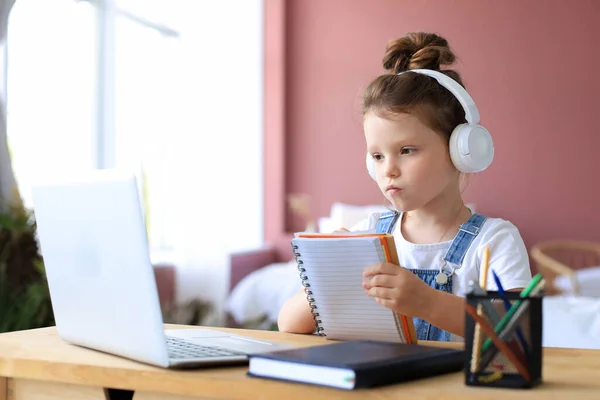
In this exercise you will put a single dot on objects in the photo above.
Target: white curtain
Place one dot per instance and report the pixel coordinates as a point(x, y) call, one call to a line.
point(187, 118)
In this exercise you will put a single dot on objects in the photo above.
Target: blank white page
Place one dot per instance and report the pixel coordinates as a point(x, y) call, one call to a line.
point(334, 269)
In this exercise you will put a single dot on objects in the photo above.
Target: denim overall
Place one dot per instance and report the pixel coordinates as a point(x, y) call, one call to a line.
point(438, 279)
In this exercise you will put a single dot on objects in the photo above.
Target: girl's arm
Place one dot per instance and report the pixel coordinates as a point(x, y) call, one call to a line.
point(447, 311)
point(295, 315)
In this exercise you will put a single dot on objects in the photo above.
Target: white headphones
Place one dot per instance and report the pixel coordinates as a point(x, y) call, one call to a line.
point(471, 146)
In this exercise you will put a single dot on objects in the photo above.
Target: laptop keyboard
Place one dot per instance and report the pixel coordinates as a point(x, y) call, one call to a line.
point(182, 349)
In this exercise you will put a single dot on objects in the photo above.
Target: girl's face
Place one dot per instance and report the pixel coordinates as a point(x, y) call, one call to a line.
point(412, 163)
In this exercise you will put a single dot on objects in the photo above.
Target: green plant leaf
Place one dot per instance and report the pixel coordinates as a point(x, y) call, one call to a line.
point(24, 297)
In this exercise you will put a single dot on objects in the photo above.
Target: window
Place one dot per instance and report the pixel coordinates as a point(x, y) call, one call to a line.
point(51, 85)
point(171, 89)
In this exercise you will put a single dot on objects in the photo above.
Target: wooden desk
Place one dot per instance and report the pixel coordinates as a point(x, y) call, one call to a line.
point(36, 364)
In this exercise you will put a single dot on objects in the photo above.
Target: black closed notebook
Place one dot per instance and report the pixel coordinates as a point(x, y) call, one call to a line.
point(356, 364)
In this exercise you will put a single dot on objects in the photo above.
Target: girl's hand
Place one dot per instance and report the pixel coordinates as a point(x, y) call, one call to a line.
point(398, 289)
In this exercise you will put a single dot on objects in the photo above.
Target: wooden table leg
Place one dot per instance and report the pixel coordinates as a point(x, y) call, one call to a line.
point(3, 388)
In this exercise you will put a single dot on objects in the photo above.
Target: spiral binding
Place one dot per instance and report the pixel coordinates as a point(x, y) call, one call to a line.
point(309, 293)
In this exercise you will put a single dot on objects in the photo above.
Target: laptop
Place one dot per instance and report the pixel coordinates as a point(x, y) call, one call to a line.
point(102, 286)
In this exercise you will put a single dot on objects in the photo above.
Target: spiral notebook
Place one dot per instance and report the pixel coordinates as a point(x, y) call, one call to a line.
point(331, 267)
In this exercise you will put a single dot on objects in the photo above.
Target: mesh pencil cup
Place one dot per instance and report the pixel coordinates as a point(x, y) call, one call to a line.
point(505, 350)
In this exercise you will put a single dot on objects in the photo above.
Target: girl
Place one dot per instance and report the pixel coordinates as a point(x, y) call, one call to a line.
point(422, 137)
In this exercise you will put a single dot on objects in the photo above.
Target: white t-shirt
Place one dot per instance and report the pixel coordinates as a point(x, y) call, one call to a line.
point(508, 255)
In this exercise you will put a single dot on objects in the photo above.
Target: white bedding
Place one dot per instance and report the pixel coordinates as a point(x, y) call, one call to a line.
point(571, 322)
point(588, 279)
point(263, 292)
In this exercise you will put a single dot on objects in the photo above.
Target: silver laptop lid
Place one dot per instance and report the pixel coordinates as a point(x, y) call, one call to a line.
point(94, 244)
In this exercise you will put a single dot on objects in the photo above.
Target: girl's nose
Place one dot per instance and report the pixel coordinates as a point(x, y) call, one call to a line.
point(391, 169)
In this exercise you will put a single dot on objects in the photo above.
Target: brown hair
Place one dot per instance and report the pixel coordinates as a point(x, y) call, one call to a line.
point(416, 94)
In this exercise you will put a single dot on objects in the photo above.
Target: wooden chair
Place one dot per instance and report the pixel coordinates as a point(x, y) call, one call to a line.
point(565, 257)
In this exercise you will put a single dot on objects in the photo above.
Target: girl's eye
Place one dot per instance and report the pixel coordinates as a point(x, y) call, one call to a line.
point(407, 150)
point(377, 157)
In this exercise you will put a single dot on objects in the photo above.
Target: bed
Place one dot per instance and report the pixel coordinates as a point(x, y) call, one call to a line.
point(259, 285)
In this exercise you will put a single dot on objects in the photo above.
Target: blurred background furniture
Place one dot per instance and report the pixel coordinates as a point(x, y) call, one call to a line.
point(564, 257)
point(165, 283)
point(571, 308)
point(246, 287)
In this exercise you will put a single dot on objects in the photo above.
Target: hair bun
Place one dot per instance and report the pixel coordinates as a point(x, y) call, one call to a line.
point(417, 50)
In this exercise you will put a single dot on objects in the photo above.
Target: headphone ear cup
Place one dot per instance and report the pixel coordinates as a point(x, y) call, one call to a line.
point(471, 148)
point(371, 167)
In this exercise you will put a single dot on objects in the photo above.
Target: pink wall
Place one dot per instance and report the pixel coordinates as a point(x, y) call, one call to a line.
point(529, 65)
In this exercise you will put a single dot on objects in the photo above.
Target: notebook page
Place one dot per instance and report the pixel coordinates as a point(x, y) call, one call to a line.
point(334, 270)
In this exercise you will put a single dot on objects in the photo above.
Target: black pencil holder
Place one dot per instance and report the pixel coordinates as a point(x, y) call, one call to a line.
point(513, 357)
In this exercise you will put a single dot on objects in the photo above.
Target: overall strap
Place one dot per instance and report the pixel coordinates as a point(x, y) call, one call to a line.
point(466, 234)
point(386, 222)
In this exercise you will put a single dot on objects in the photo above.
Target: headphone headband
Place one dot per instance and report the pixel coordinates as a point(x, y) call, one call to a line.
point(465, 99)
